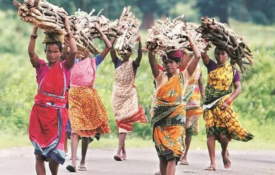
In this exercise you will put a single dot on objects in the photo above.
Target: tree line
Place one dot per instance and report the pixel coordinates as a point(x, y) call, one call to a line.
point(259, 12)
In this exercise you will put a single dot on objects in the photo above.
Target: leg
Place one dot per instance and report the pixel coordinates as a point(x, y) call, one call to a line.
point(163, 165)
point(123, 149)
point(187, 145)
point(39, 165)
point(85, 143)
point(224, 144)
point(66, 144)
point(171, 167)
point(121, 143)
point(211, 149)
point(74, 142)
point(53, 166)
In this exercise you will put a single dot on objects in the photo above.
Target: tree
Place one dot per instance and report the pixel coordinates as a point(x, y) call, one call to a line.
point(213, 8)
point(261, 12)
point(7, 4)
point(111, 9)
point(149, 8)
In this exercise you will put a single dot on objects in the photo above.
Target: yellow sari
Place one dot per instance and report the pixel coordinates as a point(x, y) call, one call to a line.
point(169, 118)
point(217, 121)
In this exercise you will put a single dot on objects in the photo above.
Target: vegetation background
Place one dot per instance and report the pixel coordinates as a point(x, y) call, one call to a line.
point(255, 105)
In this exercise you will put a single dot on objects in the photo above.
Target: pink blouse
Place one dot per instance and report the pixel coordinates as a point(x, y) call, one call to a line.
point(83, 73)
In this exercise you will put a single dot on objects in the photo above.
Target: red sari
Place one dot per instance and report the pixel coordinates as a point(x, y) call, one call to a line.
point(49, 116)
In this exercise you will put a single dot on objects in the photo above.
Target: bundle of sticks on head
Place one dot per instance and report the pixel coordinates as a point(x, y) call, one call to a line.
point(222, 36)
point(82, 24)
point(128, 25)
point(50, 18)
point(169, 35)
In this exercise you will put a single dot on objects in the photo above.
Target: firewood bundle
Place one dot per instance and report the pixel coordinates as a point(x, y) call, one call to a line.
point(128, 25)
point(42, 15)
point(82, 25)
point(197, 37)
point(50, 18)
point(169, 35)
point(222, 36)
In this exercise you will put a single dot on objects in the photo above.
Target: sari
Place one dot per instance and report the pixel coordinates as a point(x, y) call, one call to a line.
point(49, 115)
point(218, 121)
point(169, 117)
point(125, 105)
point(88, 116)
point(193, 103)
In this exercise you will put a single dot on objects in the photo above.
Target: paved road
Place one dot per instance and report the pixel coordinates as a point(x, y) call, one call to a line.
point(20, 161)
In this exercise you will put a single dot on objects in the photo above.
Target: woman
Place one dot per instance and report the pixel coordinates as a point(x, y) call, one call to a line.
point(48, 118)
point(168, 112)
point(193, 94)
point(125, 99)
point(87, 114)
point(221, 121)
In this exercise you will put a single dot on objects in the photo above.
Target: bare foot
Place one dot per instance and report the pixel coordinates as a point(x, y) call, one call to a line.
point(226, 160)
point(124, 156)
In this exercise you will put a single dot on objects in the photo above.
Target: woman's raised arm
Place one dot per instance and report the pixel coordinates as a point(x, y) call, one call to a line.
point(33, 56)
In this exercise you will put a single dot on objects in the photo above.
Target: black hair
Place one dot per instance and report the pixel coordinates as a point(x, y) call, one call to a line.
point(176, 59)
point(59, 44)
point(221, 49)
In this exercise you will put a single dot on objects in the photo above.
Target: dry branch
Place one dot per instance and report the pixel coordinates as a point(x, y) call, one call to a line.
point(169, 35)
point(128, 26)
point(222, 36)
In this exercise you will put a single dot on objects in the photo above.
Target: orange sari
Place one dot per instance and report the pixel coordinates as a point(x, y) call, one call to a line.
point(193, 103)
point(87, 113)
point(169, 118)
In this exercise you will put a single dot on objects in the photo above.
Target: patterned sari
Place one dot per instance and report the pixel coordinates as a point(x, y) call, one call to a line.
point(193, 103)
point(87, 113)
point(49, 116)
point(217, 121)
point(125, 100)
point(169, 118)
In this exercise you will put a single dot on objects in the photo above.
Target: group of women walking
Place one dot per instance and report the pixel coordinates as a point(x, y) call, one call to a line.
point(175, 109)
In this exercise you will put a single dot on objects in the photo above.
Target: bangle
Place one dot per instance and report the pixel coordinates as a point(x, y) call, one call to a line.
point(33, 36)
point(228, 101)
point(104, 37)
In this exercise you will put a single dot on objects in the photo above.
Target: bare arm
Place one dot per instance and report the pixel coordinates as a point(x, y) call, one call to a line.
point(234, 95)
point(153, 63)
point(72, 44)
point(205, 58)
point(201, 87)
point(185, 60)
point(108, 44)
point(193, 65)
point(33, 56)
point(112, 51)
point(138, 59)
